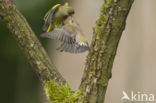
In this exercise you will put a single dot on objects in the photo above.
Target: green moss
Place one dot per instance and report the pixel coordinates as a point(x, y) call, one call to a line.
point(60, 93)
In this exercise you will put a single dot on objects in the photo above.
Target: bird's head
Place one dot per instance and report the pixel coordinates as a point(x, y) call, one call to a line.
point(67, 11)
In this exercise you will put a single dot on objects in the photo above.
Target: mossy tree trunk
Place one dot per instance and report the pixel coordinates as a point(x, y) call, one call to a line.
point(98, 69)
point(109, 27)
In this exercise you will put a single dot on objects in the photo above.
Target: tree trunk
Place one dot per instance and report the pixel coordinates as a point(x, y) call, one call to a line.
point(98, 69)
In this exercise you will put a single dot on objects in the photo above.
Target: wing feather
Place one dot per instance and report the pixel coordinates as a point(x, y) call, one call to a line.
point(72, 48)
point(48, 18)
point(60, 34)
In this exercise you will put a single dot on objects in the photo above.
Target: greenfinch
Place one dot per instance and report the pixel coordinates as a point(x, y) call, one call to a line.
point(56, 16)
point(72, 38)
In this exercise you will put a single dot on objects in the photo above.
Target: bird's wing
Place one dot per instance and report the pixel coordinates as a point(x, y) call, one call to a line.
point(48, 18)
point(61, 34)
point(72, 48)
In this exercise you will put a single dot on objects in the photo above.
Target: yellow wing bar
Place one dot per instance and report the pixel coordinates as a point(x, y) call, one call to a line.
point(49, 28)
point(81, 43)
point(55, 6)
point(66, 4)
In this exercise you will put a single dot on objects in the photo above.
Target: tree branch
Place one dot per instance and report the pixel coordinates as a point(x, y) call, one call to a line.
point(98, 70)
point(29, 43)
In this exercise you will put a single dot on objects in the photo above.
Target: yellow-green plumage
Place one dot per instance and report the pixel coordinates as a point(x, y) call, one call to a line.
point(56, 16)
point(62, 14)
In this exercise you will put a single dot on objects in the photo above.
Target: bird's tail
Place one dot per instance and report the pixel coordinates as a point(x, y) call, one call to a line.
point(72, 48)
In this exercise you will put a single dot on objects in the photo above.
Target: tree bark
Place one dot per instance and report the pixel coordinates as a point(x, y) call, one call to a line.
point(98, 69)
point(109, 27)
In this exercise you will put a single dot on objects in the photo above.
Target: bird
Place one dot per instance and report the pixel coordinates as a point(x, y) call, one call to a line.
point(56, 16)
point(72, 38)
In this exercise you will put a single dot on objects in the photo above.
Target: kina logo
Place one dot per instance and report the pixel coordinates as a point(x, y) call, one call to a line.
point(138, 97)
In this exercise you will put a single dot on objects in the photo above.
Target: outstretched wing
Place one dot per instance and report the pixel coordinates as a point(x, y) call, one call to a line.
point(48, 17)
point(72, 48)
point(61, 34)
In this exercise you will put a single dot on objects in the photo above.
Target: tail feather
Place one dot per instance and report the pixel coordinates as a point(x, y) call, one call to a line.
point(72, 48)
point(67, 47)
